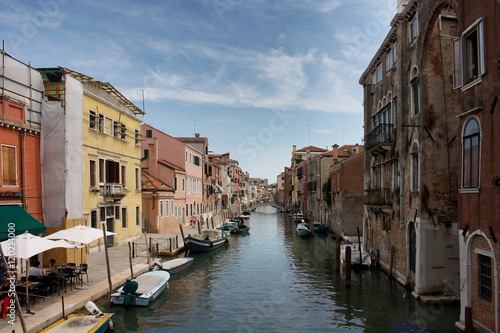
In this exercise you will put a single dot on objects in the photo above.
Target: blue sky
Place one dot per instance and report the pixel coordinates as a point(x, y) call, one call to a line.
point(255, 77)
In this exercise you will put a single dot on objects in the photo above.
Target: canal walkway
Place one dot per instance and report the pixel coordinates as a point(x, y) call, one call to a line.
point(49, 309)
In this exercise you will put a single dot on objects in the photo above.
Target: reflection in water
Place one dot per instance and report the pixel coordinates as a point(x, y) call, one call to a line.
point(273, 281)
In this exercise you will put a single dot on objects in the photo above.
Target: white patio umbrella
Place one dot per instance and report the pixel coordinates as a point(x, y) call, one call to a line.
point(81, 234)
point(25, 246)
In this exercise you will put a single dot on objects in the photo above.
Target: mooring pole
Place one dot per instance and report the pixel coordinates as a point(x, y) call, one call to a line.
point(130, 261)
point(107, 259)
point(337, 255)
point(348, 266)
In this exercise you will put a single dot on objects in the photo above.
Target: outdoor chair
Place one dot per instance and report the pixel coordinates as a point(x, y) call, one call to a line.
point(84, 271)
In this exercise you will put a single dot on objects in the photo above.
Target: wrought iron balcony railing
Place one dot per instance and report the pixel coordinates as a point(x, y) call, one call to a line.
point(380, 135)
point(378, 197)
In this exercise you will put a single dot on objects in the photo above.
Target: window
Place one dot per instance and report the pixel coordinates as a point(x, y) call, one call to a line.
point(414, 92)
point(149, 133)
point(183, 185)
point(101, 171)
point(124, 176)
point(93, 174)
point(123, 131)
point(166, 208)
point(137, 137)
point(92, 120)
point(186, 156)
point(102, 214)
point(175, 183)
point(415, 168)
point(116, 129)
point(485, 277)
point(93, 218)
point(389, 60)
point(117, 212)
point(469, 55)
point(124, 217)
point(146, 153)
point(413, 28)
point(161, 208)
point(101, 123)
point(172, 208)
point(9, 166)
point(470, 155)
point(137, 215)
point(196, 160)
point(137, 179)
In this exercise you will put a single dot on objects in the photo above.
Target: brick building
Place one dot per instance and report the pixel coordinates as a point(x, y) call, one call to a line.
point(410, 122)
point(477, 79)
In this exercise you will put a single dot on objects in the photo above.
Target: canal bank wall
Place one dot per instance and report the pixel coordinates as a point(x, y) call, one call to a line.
point(49, 309)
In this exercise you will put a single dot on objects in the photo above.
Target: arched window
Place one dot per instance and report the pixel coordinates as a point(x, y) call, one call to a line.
point(415, 94)
point(470, 154)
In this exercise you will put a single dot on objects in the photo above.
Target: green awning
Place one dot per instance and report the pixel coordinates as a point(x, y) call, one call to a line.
point(19, 220)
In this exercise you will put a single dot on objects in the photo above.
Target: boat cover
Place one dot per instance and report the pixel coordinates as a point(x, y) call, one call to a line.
point(147, 282)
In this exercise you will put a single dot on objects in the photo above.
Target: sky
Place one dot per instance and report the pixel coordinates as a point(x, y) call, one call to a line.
point(253, 76)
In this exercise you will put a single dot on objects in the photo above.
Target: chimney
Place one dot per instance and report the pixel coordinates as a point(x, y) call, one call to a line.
point(308, 154)
point(153, 158)
point(335, 154)
point(294, 149)
point(402, 5)
point(196, 135)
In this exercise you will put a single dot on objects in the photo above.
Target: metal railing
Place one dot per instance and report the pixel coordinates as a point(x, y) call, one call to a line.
point(378, 197)
point(382, 134)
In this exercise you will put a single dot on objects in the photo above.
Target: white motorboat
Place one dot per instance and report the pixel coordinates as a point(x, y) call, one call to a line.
point(365, 260)
point(174, 266)
point(303, 230)
point(142, 290)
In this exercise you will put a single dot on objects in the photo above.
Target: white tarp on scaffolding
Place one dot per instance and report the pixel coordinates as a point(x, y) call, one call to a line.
point(23, 83)
point(61, 156)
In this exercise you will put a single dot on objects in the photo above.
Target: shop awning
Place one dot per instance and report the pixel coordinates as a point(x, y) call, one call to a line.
point(16, 218)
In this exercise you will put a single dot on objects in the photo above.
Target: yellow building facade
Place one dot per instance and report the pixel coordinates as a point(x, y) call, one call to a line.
point(111, 158)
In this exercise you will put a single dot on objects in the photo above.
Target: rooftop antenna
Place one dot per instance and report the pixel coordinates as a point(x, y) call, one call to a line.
point(309, 142)
point(194, 127)
point(343, 134)
point(143, 109)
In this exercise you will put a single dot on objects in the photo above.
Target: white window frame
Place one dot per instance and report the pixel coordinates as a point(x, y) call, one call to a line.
point(96, 173)
point(172, 207)
point(460, 56)
point(161, 208)
point(413, 29)
point(167, 213)
point(415, 185)
point(414, 81)
point(137, 179)
point(93, 126)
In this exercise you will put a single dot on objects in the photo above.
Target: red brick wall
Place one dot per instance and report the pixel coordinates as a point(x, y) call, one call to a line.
point(483, 310)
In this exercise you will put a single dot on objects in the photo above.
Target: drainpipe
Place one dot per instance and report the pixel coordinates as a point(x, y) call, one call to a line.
point(23, 169)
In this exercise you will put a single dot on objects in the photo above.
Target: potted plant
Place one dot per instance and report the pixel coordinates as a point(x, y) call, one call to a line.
point(495, 179)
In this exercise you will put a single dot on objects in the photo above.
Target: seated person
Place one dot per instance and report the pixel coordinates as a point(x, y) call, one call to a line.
point(35, 270)
point(4, 291)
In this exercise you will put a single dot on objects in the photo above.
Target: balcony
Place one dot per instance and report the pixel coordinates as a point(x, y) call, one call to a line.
point(381, 198)
point(112, 191)
point(379, 139)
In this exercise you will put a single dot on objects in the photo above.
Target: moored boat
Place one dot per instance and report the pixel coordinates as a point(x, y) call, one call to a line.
point(142, 290)
point(303, 230)
point(240, 229)
point(208, 240)
point(174, 266)
point(96, 322)
point(364, 261)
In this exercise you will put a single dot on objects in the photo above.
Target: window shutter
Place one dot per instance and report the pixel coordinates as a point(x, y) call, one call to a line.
point(480, 30)
point(457, 58)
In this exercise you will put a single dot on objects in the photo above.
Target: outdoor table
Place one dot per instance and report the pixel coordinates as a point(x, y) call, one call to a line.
point(32, 286)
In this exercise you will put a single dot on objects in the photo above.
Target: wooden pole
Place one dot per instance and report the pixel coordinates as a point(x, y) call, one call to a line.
point(360, 250)
point(469, 328)
point(130, 261)
point(18, 307)
point(147, 248)
point(348, 266)
point(182, 233)
point(107, 259)
point(64, 312)
point(337, 255)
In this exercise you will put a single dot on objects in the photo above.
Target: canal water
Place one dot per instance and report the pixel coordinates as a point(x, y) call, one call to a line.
point(273, 281)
